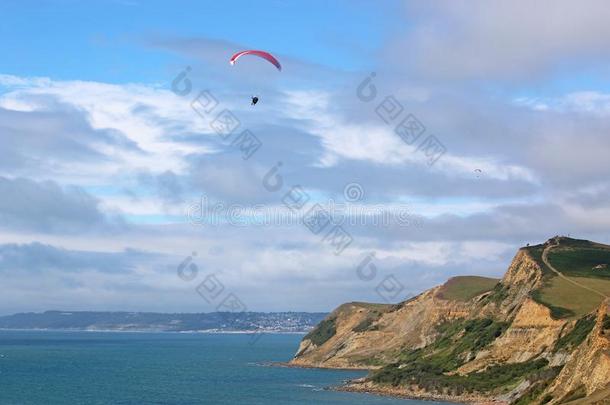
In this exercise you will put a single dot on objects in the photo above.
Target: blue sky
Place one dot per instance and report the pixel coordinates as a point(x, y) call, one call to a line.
point(104, 167)
point(101, 40)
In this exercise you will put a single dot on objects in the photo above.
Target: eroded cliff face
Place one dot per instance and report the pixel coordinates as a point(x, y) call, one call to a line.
point(514, 328)
point(532, 333)
point(588, 368)
point(413, 324)
point(368, 336)
point(341, 347)
point(523, 276)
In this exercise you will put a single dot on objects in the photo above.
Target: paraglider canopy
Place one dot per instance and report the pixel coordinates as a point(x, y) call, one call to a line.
point(261, 54)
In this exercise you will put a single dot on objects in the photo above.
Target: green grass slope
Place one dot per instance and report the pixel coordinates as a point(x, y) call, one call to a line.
point(586, 266)
point(582, 262)
point(464, 288)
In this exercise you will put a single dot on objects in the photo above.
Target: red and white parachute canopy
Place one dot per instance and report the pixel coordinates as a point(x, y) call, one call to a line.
point(261, 54)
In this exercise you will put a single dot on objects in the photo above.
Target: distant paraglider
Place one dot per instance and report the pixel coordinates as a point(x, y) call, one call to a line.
point(478, 172)
point(261, 54)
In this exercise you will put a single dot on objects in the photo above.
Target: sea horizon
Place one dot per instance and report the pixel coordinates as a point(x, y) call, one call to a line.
point(211, 332)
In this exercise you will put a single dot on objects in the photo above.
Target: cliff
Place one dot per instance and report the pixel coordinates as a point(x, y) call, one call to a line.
point(538, 335)
point(588, 368)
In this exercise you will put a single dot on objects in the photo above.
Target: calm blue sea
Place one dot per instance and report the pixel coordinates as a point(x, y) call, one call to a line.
point(163, 368)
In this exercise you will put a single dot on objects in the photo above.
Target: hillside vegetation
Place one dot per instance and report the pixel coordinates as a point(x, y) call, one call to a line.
point(581, 261)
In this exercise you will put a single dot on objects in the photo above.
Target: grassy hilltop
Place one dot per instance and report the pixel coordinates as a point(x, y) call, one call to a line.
point(586, 267)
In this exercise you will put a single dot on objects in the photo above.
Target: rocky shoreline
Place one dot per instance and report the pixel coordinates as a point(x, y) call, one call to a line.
point(322, 367)
point(361, 385)
point(366, 387)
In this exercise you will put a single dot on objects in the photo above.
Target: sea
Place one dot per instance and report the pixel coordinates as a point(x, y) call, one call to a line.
point(51, 367)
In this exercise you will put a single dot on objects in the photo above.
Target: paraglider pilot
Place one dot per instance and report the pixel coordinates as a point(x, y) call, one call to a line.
point(254, 100)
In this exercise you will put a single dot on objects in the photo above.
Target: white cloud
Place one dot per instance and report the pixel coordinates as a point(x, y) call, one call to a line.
point(588, 102)
point(377, 143)
point(503, 40)
point(146, 115)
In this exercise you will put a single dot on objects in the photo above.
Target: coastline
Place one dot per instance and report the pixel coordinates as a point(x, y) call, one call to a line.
point(288, 364)
point(362, 386)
